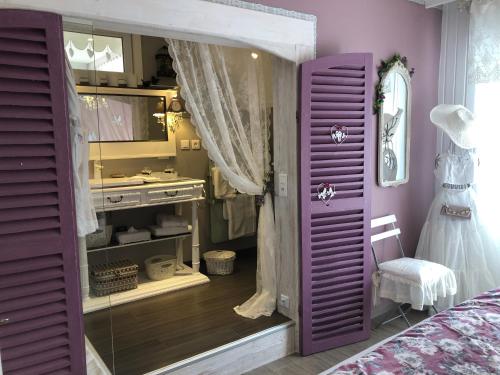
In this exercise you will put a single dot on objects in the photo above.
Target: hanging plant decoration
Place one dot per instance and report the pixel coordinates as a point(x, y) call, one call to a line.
point(384, 67)
point(339, 133)
point(326, 192)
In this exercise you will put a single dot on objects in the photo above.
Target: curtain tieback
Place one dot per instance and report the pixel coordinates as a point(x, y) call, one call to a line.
point(268, 188)
point(259, 200)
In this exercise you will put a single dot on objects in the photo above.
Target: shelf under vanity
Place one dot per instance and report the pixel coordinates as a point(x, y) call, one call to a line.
point(145, 289)
point(173, 192)
point(154, 240)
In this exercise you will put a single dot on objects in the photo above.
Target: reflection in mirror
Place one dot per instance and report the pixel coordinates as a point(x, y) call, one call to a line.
point(124, 118)
point(394, 126)
point(87, 51)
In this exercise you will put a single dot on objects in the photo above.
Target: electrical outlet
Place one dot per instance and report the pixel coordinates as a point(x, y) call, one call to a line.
point(283, 184)
point(284, 301)
point(185, 144)
point(195, 144)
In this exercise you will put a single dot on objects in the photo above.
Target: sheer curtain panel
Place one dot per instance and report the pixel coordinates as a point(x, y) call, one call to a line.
point(484, 79)
point(230, 106)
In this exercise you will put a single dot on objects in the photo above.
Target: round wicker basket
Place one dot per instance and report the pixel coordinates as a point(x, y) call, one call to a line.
point(220, 262)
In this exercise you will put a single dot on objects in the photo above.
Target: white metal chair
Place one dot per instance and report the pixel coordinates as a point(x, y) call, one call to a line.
point(407, 280)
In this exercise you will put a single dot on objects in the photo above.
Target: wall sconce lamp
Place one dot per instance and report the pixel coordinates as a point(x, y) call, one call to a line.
point(160, 119)
point(160, 113)
point(175, 112)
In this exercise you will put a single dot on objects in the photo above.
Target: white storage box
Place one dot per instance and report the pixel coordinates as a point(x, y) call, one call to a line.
point(220, 262)
point(160, 267)
point(133, 235)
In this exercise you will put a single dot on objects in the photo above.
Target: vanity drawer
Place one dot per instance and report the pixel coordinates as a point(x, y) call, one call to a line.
point(109, 200)
point(172, 194)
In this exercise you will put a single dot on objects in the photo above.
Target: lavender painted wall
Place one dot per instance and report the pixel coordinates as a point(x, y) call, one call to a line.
point(384, 27)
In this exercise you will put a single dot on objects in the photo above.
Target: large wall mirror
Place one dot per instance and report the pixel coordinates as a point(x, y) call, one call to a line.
point(124, 118)
point(393, 104)
point(127, 123)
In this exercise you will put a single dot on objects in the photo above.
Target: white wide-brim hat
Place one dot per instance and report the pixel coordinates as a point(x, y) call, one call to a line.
point(458, 123)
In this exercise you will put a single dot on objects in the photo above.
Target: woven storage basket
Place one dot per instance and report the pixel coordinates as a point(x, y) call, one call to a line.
point(101, 238)
point(220, 262)
point(113, 277)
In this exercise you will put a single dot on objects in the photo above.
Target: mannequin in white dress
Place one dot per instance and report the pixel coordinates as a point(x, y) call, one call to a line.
point(454, 235)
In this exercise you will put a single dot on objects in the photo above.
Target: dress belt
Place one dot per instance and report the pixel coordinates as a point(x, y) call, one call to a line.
point(456, 186)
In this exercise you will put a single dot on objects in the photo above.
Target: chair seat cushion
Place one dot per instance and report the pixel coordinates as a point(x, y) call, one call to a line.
point(415, 281)
point(416, 270)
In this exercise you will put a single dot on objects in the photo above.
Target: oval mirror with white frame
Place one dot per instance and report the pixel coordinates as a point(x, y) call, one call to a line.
point(394, 125)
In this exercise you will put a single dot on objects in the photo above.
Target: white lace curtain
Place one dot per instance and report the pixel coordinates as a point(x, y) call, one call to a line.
point(484, 80)
point(484, 42)
point(225, 93)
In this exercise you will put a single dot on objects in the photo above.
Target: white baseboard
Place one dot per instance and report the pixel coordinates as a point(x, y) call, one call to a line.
point(238, 356)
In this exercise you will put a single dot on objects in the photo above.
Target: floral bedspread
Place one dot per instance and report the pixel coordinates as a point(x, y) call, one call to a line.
point(463, 340)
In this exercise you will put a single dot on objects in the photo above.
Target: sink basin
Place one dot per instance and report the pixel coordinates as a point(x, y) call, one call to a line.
point(157, 178)
point(176, 179)
point(114, 182)
point(131, 181)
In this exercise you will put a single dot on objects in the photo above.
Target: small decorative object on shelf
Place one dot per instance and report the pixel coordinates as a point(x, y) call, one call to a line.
point(326, 192)
point(339, 133)
point(84, 81)
point(113, 277)
point(164, 63)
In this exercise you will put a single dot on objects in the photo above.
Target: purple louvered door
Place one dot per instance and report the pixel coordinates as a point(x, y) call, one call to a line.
point(336, 263)
point(40, 308)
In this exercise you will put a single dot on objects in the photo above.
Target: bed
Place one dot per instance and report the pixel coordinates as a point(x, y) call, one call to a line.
point(462, 340)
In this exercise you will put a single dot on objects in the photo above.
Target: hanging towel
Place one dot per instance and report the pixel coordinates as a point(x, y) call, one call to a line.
point(241, 215)
point(222, 189)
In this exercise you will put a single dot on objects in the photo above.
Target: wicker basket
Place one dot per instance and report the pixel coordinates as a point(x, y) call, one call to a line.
point(113, 277)
point(100, 238)
point(220, 262)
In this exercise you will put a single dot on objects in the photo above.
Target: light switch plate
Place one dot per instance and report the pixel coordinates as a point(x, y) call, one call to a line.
point(283, 184)
point(185, 144)
point(284, 301)
point(195, 144)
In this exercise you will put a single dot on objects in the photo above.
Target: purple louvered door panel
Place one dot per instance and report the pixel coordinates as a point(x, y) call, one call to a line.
point(335, 275)
point(40, 308)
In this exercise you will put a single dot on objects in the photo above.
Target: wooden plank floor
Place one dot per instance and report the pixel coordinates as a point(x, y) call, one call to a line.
point(161, 330)
point(316, 363)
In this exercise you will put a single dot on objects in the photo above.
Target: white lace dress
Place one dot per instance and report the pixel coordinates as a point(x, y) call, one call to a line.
point(463, 245)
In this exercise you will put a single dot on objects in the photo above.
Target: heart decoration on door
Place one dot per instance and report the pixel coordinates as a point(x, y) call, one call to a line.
point(326, 192)
point(339, 133)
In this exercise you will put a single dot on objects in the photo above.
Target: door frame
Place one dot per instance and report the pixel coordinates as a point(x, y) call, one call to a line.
point(287, 34)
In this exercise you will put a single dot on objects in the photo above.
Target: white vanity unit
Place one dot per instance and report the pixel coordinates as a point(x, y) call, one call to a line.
point(108, 197)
